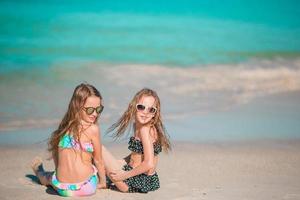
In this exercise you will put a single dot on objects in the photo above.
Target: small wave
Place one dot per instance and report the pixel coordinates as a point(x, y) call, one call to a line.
point(32, 124)
point(183, 91)
point(241, 82)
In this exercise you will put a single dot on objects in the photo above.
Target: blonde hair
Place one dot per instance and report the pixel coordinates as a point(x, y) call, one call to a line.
point(129, 115)
point(71, 120)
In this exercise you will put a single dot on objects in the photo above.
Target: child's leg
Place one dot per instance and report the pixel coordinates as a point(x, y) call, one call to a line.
point(43, 176)
point(111, 165)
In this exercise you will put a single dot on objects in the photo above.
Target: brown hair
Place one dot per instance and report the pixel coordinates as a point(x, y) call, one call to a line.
point(71, 120)
point(128, 116)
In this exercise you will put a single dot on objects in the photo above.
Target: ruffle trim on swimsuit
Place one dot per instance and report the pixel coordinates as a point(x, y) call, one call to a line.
point(141, 183)
point(136, 145)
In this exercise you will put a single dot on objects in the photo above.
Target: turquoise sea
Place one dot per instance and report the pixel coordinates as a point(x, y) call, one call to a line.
point(180, 33)
point(212, 62)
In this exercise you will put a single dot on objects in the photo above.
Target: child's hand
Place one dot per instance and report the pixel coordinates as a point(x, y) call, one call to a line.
point(118, 175)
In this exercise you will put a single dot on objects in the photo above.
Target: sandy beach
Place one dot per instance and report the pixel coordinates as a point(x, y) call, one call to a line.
point(234, 170)
point(227, 75)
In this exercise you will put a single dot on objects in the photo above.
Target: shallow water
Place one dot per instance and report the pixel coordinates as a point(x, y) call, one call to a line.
point(209, 61)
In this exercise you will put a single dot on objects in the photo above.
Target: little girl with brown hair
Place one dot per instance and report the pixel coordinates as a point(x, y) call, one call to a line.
point(76, 147)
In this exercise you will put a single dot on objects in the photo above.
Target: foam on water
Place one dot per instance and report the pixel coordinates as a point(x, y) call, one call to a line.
point(39, 98)
point(202, 57)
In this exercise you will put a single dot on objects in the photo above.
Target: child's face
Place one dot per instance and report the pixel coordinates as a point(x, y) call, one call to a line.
point(145, 109)
point(90, 103)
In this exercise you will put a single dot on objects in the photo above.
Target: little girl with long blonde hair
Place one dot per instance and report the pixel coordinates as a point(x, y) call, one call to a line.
point(137, 172)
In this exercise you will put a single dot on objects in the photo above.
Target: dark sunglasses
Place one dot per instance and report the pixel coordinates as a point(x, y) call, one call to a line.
point(141, 107)
point(90, 110)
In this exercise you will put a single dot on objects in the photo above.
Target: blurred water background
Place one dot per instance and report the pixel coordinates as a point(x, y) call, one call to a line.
point(224, 70)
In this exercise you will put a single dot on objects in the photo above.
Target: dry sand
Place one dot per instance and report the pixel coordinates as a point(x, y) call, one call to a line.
point(258, 170)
